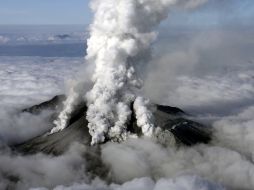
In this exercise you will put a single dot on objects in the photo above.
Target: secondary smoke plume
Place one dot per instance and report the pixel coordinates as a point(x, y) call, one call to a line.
point(120, 39)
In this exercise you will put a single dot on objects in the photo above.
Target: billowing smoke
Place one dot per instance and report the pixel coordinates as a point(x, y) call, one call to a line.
point(120, 39)
point(69, 105)
point(144, 116)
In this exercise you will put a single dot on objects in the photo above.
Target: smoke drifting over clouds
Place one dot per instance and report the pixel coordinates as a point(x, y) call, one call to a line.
point(203, 70)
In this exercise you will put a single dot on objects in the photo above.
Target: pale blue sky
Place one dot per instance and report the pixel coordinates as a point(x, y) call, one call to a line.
point(44, 12)
point(77, 12)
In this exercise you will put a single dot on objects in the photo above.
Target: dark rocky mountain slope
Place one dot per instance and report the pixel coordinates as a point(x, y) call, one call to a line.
point(173, 121)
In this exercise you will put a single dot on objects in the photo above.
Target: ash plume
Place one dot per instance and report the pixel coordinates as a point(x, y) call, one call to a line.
point(120, 39)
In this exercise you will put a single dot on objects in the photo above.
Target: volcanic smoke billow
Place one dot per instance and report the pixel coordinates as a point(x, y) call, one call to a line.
point(120, 39)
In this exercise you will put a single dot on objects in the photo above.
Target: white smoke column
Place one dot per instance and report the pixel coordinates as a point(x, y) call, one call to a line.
point(62, 121)
point(76, 89)
point(144, 116)
point(120, 38)
point(122, 30)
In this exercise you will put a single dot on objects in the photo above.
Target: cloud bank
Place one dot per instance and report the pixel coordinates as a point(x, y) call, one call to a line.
point(26, 81)
point(202, 70)
point(3, 40)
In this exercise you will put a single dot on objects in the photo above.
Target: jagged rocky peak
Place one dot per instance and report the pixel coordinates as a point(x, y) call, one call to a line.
point(175, 126)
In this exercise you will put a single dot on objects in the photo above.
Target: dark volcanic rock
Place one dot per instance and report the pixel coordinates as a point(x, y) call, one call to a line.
point(170, 119)
point(188, 132)
point(52, 104)
point(170, 110)
point(63, 36)
point(58, 143)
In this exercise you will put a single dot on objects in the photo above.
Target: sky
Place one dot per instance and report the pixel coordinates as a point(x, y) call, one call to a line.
point(44, 12)
point(77, 12)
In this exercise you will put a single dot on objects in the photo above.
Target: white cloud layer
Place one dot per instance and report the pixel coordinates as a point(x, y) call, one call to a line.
point(44, 34)
point(206, 71)
point(29, 80)
point(181, 183)
point(210, 74)
point(3, 40)
point(26, 81)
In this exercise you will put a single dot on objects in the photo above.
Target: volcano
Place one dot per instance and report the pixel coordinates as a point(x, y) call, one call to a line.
point(175, 127)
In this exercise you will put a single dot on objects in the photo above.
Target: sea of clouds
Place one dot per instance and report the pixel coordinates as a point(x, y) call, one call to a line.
point(208, 73)
point(18, 34)
point(26, 81)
